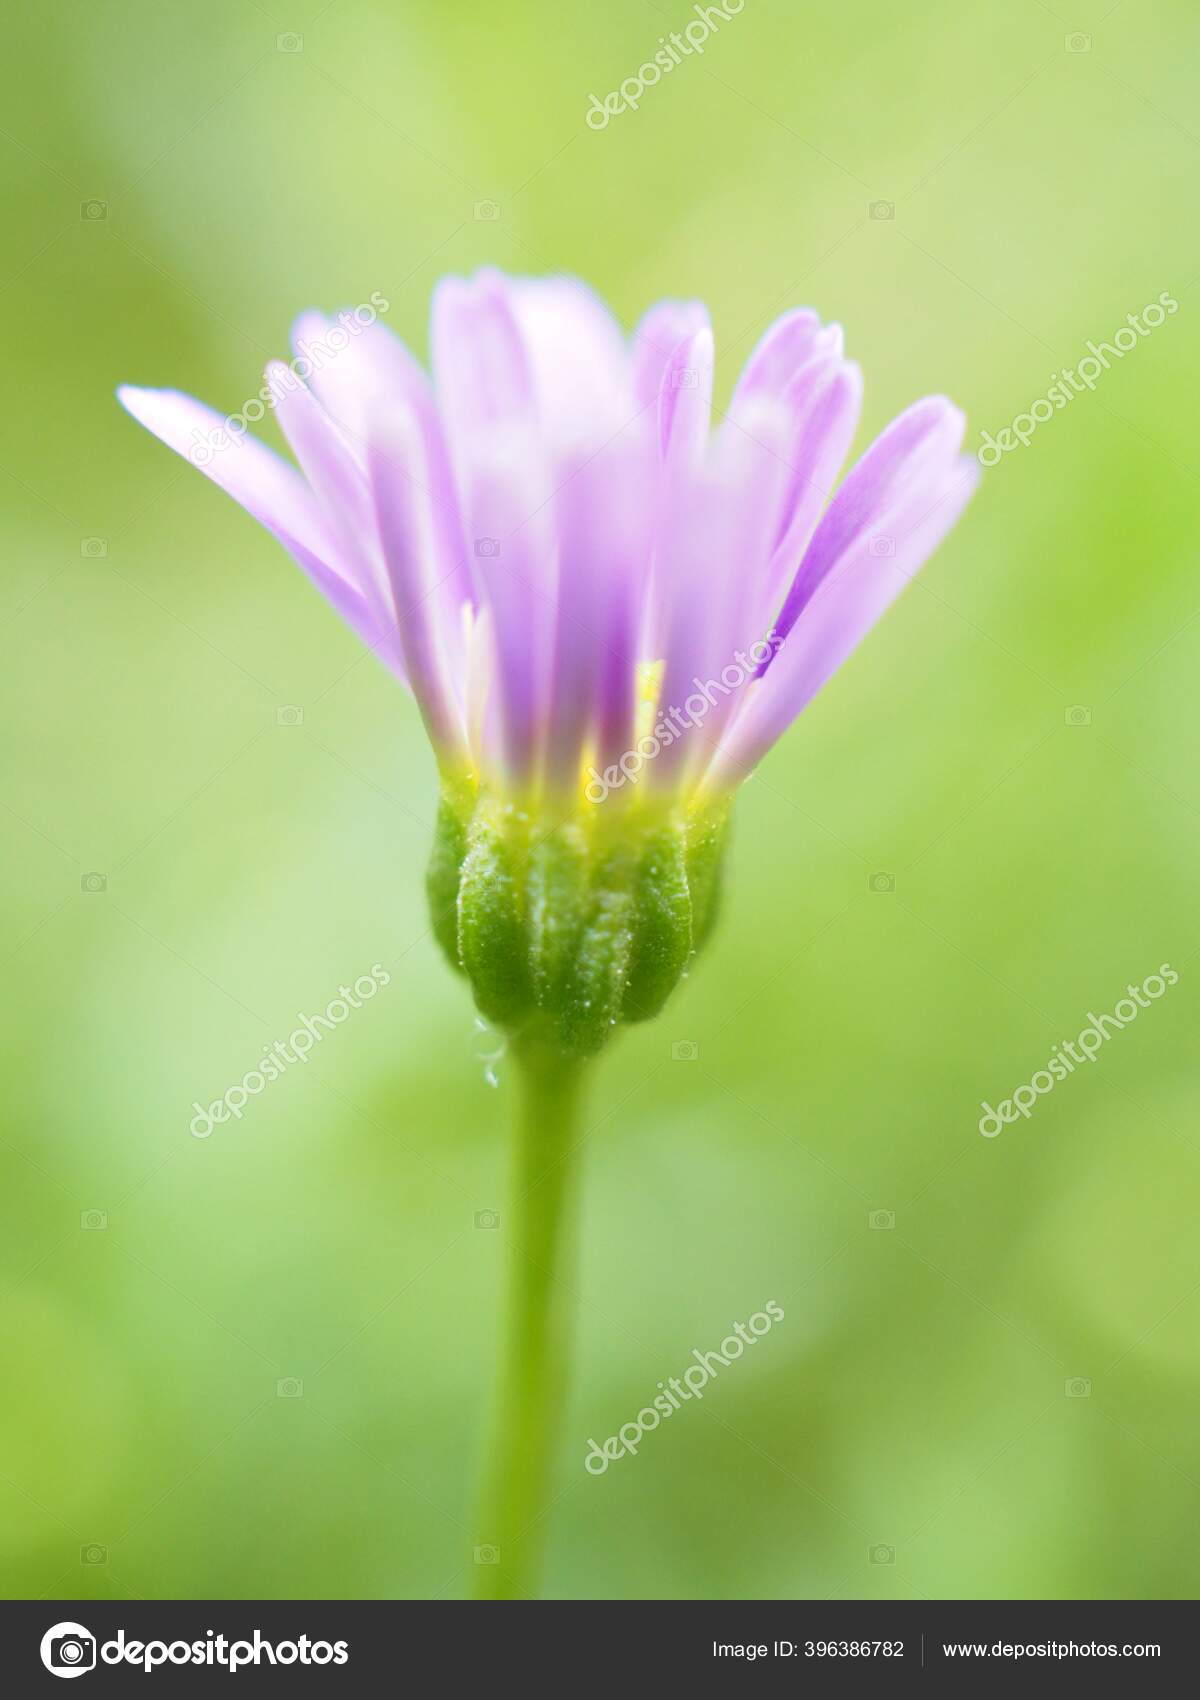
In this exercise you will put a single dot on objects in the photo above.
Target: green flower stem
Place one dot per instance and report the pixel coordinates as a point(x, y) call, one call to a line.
point(538, 1229)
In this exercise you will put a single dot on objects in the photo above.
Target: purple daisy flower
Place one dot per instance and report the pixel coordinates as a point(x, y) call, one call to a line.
point(588, 585)
point(608, 610)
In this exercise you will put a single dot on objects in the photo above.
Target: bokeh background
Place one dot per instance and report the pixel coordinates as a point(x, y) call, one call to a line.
point(914, 1426)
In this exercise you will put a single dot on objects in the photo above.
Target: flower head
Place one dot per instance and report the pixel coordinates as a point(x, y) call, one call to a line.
point(607, 606)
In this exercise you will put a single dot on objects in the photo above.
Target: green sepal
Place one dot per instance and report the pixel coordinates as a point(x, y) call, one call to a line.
point(662, 924)
point(444, 873)
point(707, 841)
point(558, 905)
point(589, 1004)
point(492, 932)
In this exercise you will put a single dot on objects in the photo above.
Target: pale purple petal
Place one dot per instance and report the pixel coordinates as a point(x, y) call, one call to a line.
point(824, 402)
point(375, 370)
point(482, 371)
point(785, 349)
point(516, 579)
point(269, 489)
point(604, 513)
point(685, 401)
point(335, 474)
point(369, 368)
point(715, 543)
point(582, 374)
point(656, 336)
point(398, 482)
point(858, 589)
point(910, 452)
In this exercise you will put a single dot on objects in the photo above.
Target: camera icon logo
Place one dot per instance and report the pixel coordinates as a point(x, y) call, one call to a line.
point(68, 1649)
point(881, 1220)
point(487, 548)
point(1077, 43)
point(685, 1050)
point(883, 209)
point(93, 882)
point(487, 1218)
point(1078, 1387)
point(881, 1554)
point(686, 378)
point(289, 715)
point(1078, 715)
point(93, 1221)
point(90, 211)
point(289, 42)
point(93, 548)
point(882, 883)
point(487, 211)
point(881, 546)
point(289, 1387)
point(93, 1554)
point(487, 1555)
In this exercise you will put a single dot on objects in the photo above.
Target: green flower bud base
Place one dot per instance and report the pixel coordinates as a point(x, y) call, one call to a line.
point(576, 925)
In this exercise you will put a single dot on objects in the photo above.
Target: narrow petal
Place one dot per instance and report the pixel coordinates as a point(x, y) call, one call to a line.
point(861, 585)
point(824, 400)
point(906, 456)
point(785, 348)
point(482, 371)
point(488, 401)
point(823, 403)
point(354, 371)
point(714, 549)
point(270, 490)
point(516, 581)
point(582, 373)
point(685, 401)
point(680, 419)
point(334, 473)
point(340, 482)
point(398, 482)
point(604, 516)
point(375, 370)
point(656, 336)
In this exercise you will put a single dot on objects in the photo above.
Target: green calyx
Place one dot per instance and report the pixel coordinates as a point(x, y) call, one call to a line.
point(572, 926)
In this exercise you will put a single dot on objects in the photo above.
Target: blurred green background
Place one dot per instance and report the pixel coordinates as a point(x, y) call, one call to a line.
point(253, 159)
